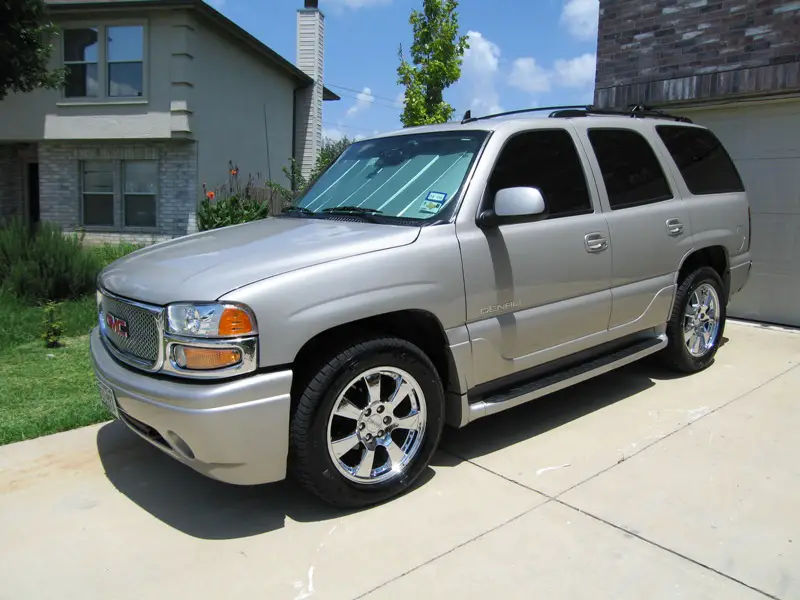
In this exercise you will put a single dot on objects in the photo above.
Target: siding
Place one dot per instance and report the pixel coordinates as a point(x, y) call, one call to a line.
point(232, 91)
point(665, 51)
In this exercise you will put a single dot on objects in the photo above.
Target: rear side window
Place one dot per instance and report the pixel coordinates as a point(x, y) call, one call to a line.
point(703, 162)
point(546, 159)
point(631, 171)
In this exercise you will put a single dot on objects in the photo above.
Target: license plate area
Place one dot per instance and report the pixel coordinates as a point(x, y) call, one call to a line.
point(108, 398)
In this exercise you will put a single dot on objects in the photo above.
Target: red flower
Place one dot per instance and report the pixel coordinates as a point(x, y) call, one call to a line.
point(210, 195)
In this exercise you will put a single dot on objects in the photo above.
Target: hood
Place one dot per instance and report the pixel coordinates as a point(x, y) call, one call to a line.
point(205, 266)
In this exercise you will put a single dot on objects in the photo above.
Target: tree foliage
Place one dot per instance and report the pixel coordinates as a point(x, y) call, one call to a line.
point(436, 57)
point(26, 43)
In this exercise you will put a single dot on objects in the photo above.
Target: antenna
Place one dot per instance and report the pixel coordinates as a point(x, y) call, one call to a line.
point(467, 117)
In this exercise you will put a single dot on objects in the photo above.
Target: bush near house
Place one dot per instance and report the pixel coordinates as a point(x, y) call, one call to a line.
point(46, 379)
point(235, 202)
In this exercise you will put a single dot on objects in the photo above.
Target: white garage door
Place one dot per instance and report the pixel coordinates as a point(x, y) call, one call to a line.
point(764, 141)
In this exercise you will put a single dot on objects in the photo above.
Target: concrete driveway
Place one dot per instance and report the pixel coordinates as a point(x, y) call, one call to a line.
point(635, 485)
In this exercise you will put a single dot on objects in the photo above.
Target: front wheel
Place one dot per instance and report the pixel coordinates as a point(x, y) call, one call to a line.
point(367, 423)
point(697, 323)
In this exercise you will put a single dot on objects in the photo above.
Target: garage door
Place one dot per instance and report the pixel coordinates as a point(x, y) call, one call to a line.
point(764, 141)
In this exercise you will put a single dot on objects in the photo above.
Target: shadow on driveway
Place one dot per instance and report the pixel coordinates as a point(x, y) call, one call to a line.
point(505, 429)
point(199, 506)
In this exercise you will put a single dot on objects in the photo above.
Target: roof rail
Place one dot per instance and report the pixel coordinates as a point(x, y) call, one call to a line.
point(635, 111)
point(468, 118)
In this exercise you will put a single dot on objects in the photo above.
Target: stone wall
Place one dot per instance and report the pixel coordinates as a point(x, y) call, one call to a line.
point(663, 51)
point(177, 194)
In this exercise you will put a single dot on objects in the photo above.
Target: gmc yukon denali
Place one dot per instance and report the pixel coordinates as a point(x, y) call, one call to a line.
point(431, 276)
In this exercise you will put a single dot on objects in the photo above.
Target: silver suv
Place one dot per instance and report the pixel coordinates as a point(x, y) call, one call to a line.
point(434, 275)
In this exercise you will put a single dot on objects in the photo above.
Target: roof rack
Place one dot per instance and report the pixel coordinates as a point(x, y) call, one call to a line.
point(635, 111)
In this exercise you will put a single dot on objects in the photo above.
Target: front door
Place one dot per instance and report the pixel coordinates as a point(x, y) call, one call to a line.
point(537, 290)
point(32, 186)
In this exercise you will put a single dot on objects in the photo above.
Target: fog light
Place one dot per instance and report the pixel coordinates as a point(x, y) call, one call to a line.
point(204, 359)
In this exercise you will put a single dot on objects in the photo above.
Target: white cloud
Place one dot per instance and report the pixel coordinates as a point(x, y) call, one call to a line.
point(332, 133)
point(581, 17)
point(528, 76)
point(576, 72)
point(479, 70)
point(363, 101)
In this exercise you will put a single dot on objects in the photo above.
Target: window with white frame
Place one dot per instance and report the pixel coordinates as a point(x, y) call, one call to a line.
point(140, 180)
point(112, 69)
point(131, 185)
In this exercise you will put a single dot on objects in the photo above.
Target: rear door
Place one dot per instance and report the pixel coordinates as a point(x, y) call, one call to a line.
point(649, 224)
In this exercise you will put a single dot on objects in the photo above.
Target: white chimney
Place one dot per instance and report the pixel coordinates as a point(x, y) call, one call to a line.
point(310, 58)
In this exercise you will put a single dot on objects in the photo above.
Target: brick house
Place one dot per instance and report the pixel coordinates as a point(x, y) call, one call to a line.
point(160, 96)
point(734, 66)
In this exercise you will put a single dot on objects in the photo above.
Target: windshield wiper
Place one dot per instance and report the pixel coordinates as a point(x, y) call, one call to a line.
point(366, 213)
point(300, 209)
point(356, 209)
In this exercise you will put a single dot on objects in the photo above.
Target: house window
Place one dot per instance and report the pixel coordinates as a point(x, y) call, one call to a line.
point(98, 193)
point(120, 194)
point(81, 57)
point(125, 61)
point(140, 180)
point(114, 69)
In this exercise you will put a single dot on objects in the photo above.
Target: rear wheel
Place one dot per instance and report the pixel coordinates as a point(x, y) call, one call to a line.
point(697, 323)
point(367, 423)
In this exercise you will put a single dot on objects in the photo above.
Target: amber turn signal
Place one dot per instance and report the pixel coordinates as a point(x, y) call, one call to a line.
point(204, 359)
point(235, 321)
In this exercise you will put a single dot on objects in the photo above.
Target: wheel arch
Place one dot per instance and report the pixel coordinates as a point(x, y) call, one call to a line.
point(420, 327)
point(714, 256)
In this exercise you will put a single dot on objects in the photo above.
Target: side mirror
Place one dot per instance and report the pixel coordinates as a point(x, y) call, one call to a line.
point(513, 205)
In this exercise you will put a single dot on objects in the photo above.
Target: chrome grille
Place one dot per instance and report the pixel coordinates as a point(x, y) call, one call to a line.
point(144, 337)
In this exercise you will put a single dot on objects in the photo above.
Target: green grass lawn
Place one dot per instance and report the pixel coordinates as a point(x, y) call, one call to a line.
point(46, 390)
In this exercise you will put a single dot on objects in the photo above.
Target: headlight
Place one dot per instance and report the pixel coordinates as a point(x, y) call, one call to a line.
point(210, 320)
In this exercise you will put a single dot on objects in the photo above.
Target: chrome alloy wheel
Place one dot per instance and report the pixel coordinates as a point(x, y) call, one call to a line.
point(377, 425)
point(701, 320)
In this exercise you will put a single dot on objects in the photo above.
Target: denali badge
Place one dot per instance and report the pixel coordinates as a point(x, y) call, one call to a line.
point(117, 325)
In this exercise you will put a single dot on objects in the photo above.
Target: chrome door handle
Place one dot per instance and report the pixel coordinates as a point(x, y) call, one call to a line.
point(595, 242)
point(674, 227)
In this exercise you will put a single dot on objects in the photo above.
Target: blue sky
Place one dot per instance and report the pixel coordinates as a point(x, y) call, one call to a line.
point(523, 53)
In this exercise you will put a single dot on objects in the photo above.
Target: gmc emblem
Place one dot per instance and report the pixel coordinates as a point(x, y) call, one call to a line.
point(117, 325)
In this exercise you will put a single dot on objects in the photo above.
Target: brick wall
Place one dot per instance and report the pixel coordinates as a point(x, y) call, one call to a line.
point(12, 201)
point(60, 187)
point(663, 51)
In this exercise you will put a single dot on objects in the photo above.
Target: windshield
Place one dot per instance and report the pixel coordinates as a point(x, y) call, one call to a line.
point(408, 176)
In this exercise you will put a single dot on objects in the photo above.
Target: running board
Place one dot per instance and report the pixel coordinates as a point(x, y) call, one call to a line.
point(560, 380)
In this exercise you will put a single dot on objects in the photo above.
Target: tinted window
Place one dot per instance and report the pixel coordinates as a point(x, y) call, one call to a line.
point(631, 171)
point(545, 159)
point(704, 164)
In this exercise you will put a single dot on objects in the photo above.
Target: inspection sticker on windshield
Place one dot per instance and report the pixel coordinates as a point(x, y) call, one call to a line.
point(433, 203)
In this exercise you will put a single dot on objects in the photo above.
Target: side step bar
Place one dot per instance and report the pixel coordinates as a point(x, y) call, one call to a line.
point(563, 379)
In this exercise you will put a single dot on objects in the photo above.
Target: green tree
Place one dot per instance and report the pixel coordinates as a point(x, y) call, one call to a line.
point(436, 57)
point(26, 43)
point(329, 152)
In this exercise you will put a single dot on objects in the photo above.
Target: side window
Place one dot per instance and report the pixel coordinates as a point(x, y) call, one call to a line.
point(546, 159)
point(703, 161)
point(631, 171)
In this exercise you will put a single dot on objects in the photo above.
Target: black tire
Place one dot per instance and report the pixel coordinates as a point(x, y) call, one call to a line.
point(676, 355)
point(310, 462)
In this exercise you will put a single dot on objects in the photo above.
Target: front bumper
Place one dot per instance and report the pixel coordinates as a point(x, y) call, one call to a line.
point(235, 431)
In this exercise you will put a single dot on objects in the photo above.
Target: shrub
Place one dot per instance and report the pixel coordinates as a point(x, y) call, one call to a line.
point(40, 263)
point(108, 253)
point(52, 328)
point(236, 203)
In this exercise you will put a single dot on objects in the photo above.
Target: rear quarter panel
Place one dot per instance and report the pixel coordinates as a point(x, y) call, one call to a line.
point(717, 219)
